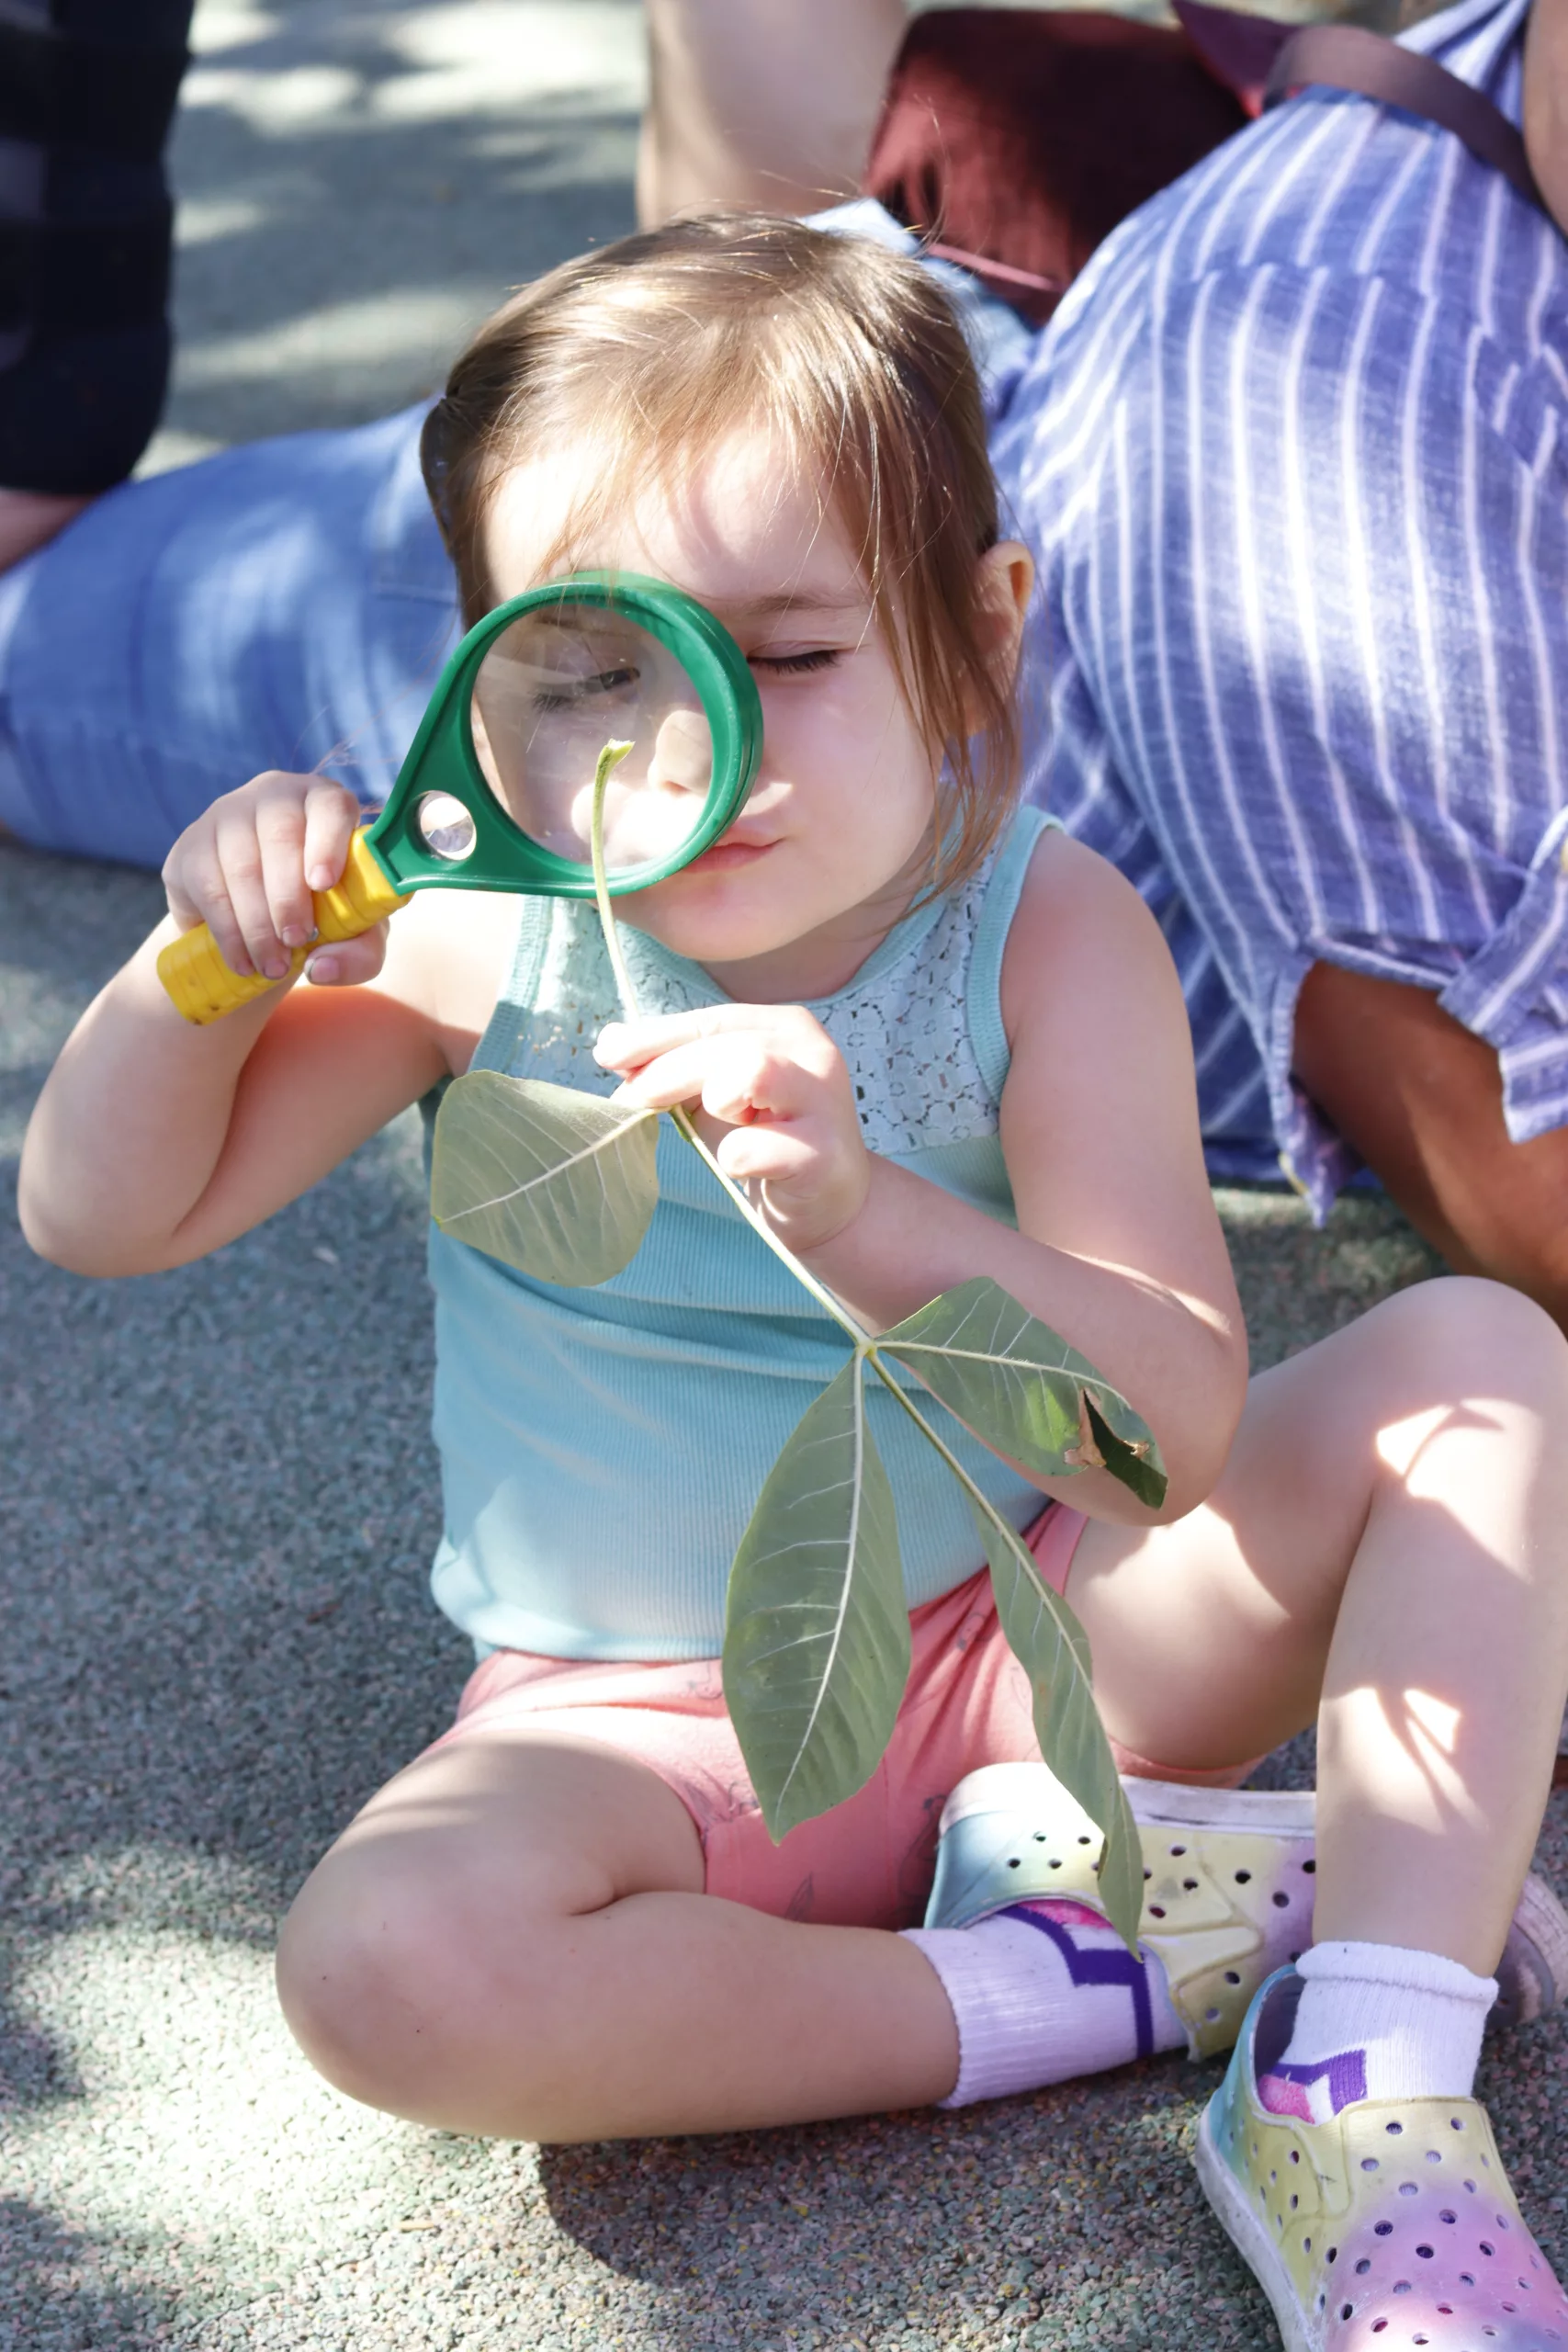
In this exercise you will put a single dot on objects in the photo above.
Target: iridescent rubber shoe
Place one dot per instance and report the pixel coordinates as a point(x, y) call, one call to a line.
point(1227, 1887)
point(1390, 2224)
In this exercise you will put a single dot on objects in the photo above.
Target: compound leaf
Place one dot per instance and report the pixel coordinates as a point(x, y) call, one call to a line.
point(1023, 1390)
point(558, 1183)
point(817, 1632)
point(1053, 1649)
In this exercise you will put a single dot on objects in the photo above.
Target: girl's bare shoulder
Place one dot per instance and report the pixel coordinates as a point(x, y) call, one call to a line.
point(447, 956)
point(1083, 947)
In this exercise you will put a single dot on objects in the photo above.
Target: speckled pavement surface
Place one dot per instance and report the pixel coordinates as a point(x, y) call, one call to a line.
point(216, 1507)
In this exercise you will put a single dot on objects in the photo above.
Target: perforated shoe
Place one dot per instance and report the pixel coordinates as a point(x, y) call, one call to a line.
point(1228, 1883)
point(1390, 2224)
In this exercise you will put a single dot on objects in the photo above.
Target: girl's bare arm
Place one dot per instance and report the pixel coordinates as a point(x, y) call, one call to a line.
point(1117, 1246)
point(155, 1142)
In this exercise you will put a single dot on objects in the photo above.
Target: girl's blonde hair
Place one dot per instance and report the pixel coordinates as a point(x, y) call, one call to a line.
point(659, 346)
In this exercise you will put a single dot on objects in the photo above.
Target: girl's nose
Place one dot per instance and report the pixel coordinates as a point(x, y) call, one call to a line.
point(682, 753)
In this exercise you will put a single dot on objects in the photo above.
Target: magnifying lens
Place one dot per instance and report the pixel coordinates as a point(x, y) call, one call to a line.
point(497, 790)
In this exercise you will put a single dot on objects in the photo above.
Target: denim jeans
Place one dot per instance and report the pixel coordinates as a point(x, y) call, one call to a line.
point(285, 605)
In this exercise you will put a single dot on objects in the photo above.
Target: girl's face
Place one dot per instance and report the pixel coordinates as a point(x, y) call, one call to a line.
point(835, 838)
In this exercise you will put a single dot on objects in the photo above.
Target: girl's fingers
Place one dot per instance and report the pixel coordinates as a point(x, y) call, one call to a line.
point(768, 1155)
point(241, 861)
point(182, 906)
point(244, 868)
point(627, 1045)
point(735, 1078)
point(348, 963)
point(332, 812)
point(280, 838)
point(198, 893)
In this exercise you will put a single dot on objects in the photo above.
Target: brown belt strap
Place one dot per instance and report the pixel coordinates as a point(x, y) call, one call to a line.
point(1346, 57)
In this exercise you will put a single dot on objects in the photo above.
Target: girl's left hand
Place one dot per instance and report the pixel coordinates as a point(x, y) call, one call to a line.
point(779, 1106)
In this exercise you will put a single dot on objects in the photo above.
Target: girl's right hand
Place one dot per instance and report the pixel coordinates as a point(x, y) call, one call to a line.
point(248, 867)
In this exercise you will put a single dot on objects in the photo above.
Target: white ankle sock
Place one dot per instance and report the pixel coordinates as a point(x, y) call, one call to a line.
point(1378, 2021)
point(1043, 1992)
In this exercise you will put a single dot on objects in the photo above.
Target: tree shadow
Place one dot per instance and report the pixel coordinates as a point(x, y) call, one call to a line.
point(54, 2270)
point(1071, 2217)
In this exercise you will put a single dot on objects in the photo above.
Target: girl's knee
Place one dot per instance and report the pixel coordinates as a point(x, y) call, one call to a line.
point(385, 1976)
point(1462, 1335)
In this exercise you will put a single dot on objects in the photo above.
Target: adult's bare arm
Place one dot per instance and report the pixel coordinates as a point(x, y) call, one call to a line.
point(1420, 1098)
point(769, 102)
point(1546, 103)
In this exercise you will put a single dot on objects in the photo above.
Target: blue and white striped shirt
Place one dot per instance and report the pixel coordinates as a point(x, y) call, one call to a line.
point(1293, 457)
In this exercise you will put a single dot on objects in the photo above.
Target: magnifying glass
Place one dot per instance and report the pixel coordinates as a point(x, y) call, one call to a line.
point(497, 790)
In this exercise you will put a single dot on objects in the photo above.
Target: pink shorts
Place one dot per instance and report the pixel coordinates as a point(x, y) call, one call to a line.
point(868, 1863)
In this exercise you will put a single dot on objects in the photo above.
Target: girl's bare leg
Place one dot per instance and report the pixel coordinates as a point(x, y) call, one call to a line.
point(1391, 1532)
point(770, 103)
point(512, 1938)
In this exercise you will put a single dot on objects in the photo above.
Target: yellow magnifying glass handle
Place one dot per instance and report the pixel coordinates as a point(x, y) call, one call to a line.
point(200, 982)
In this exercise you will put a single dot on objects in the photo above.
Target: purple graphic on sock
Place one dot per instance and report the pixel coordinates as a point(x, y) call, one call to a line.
point(1315, 2093)
point(1114, 1966)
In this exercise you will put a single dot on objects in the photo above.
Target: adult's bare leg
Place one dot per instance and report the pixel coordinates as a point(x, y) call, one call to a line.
point(770, 103)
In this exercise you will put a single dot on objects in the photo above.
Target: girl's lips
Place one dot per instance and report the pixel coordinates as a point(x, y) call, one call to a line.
point(725, 855)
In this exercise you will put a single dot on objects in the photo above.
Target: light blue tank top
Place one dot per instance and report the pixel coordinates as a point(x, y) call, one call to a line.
point(601, 1450)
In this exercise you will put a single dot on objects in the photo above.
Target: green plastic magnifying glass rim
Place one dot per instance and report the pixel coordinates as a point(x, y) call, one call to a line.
point(441, 756)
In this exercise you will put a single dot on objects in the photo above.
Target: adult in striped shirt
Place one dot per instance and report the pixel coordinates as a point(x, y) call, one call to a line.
point(1294, 456)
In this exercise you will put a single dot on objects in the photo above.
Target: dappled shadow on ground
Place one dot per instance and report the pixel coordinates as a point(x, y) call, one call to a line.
point(56, 2296)
point(219, 1508)
point(359, 185)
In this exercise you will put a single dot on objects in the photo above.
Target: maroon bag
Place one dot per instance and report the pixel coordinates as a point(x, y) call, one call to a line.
point(1015, 140)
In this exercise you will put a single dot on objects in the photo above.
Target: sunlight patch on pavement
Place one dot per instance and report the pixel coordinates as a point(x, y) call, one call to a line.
point(494, 56)
point(199, 2122)
point(207, 219)
point(406, 325)
point(297, 97)
point(170, 448)
point(230, 24)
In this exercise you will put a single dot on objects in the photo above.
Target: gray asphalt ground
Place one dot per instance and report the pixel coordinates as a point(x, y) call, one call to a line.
point(217, 1505)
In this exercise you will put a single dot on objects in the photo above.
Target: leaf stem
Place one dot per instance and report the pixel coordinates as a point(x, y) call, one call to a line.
point(982, 1503)
point(610, 758)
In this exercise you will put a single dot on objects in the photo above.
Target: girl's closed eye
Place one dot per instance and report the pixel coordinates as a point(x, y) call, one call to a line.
point(793, 664)
point(577, 691)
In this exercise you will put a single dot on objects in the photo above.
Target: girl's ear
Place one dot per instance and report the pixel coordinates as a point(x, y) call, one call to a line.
point(1004, 579)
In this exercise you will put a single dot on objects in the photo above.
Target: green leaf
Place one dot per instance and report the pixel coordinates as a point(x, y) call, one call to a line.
point(1141, 1477)
point(1053, 1649)
point(1018, 1385)
point(816, 1633)
point(558, 1183)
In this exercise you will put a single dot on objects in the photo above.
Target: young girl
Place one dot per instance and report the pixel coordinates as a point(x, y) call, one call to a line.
point(938, 1040)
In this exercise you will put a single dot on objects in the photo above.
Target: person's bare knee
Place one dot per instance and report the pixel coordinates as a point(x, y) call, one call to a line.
point(1463, 1337)
point(453, 1901)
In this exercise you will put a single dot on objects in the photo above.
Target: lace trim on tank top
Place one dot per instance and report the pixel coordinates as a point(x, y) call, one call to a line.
point(901, 1024)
